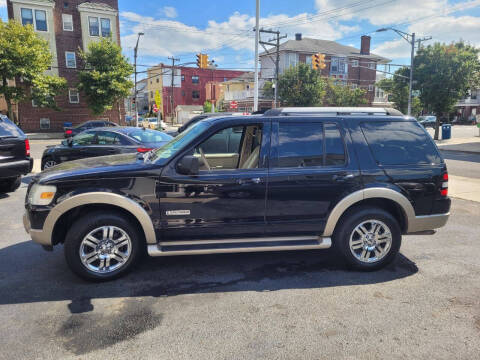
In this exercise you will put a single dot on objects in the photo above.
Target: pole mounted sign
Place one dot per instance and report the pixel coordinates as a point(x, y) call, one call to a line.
point(155, 108)
point(158, 99)
point(233, 105)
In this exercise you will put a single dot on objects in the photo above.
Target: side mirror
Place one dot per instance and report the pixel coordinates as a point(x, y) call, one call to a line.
point(188, 165)
point(70, 141)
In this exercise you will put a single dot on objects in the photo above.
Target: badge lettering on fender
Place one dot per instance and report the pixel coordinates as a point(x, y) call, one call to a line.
point(178, 212)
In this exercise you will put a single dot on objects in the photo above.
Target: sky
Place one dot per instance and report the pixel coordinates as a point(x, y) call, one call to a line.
point(224, 29)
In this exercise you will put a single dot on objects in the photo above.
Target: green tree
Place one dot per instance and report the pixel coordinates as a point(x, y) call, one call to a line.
point(207, 107)
point(268, 90)
point(23, 54)
point(301, 86)
point(342, 95)
point(397, 89)
point(105, 78)
point(444, 74)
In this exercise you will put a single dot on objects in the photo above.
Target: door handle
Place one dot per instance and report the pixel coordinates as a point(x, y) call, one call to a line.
point(342, 178)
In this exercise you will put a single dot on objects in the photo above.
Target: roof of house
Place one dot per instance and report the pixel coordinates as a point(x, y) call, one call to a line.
point(327, 47)
point(245, 77)
point(188, 107)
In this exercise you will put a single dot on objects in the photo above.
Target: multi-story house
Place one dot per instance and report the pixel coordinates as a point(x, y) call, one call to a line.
point(189, 85)
point(240, 91)
point(154, 82)
point(346, 64)
point(381, 97)
point(468, 108)
point(67, 25)
point(142, 99)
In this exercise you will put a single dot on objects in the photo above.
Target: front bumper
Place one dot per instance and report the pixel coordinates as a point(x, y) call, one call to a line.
point(16, 168)
point(38, 236)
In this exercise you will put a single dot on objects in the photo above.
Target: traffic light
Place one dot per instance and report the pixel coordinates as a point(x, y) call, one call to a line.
point(202, 61)
point(318, 61)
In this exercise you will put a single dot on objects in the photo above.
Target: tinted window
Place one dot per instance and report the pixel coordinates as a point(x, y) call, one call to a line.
point(108, 138)
point(334, 148)
point(400, 143)
point(7, 128)
point(149, 136)
point(224, 141)
point(84, 139)
point(300, 145)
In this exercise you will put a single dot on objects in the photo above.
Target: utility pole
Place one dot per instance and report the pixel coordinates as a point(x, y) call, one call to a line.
point(135, 51)
point(410, 38)
point(257, 38)
point(172, 86)
point(277, 53)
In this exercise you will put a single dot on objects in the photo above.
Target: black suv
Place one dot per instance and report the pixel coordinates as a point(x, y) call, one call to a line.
point(289, 181)
point(15, 159)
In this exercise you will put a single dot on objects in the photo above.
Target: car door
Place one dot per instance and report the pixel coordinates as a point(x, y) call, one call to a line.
point(82, 147)
point(110, 143)
point(226, 198)
point(310, 171)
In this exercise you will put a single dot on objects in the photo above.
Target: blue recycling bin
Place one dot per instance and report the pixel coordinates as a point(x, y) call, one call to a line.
point(446, 131)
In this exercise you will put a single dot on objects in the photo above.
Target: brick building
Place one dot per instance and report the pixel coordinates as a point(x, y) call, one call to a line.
point(67, 25)
point(189, 85)
point(346, 64)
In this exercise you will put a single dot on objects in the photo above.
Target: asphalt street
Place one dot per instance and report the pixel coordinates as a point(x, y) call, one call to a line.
point(290, 305)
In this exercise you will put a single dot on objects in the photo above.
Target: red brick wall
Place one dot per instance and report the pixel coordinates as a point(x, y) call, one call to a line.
point(29, 117)
point(183, 95)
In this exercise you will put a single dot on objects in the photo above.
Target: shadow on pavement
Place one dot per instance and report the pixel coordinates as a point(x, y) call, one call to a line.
point(461, 156)
point(28, 274)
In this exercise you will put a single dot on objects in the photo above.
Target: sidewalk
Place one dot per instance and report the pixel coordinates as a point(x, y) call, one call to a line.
point(44, 136)
point(464, 188)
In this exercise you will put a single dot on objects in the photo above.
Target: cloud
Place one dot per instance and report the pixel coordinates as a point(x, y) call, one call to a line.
point(169, 12)
point(3, 4)
point(235, 32)
point(444, 29)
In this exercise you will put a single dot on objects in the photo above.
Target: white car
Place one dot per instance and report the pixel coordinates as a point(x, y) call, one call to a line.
point(153, 123)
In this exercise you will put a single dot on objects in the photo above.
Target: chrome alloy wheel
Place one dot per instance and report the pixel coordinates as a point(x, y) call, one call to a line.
point(49, 164)
point(105, 249)
point(370, 241)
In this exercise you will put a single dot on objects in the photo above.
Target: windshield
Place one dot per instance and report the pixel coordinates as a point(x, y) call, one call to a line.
point(164, 153)
point(152, 120)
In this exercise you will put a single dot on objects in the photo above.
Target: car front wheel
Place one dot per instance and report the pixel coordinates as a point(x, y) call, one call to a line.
point(102, 246)
point(368, 238)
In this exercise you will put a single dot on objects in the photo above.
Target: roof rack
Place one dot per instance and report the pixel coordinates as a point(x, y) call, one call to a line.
point(333, 111)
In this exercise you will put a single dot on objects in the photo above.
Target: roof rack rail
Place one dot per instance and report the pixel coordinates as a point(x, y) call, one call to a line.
point(333, 111)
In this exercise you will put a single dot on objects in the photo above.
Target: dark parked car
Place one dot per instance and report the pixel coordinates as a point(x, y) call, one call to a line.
point(288, 181)
point(104, 141)
point(72, 131)
point(428, 121)
point(197, 118)
point(15, 159)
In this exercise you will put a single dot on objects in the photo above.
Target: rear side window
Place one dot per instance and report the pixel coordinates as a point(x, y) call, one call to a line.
point(300, 145)
point(7, 128)
point(334, 146)
point(400, 143)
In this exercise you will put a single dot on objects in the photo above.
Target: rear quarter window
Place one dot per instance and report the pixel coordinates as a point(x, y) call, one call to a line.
point(8, 128)
point(400, 143)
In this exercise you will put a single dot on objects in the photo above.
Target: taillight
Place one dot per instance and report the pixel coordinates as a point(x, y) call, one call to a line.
point(444, 189)
point(68, 132)
point(143, 150)
point(27, 147)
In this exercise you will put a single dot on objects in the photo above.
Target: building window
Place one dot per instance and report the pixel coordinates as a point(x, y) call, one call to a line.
point(195, 94)
point(353, 86)
point(41, 20)
point(183, 93)
point(372, 65)
point(67, 20)
point(354, 63)
point(371, 87)
point(338, 65)
point(93, 26)
point(183, 77)
point(195, 79)
point(65, 5)
point(70, 59)
point(291, 59)
point(105, 24)
point(27, 16)
point(44, 123)
point(158, 80)
point(34, 104)
point(151, 94)
point(73, 96)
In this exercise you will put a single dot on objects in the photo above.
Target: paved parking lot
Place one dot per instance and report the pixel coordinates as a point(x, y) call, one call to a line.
point(292, 305)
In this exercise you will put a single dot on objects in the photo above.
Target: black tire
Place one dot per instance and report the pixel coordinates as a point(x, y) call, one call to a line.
point(44, 161)
point(83, 226)
point(346, 226)
point(10, 184)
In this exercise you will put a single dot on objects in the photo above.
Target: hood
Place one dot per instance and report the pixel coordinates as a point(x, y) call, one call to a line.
point(95, 167)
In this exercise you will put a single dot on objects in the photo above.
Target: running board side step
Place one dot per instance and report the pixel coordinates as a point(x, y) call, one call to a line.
point(222, 246)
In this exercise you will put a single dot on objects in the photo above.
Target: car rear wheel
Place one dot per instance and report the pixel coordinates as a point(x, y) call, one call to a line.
point(10, 184)
point(368, 238)
point(102, 247)
point(48, 163)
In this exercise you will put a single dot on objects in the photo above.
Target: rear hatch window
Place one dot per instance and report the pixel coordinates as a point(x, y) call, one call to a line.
point(9, 129)
point(12, 141)
point(400, 143)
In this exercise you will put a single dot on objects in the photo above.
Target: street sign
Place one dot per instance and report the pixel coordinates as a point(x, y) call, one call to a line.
point(155, 108)
point(233, 105)
point(158, 99)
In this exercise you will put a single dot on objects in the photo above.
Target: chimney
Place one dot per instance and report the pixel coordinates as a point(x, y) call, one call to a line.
point(298, 36)
point(365, 45)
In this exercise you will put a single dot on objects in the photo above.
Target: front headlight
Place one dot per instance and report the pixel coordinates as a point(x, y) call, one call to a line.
point(41, 194)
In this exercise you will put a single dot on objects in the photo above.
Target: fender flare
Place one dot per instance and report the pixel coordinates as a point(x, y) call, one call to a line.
point(357, 196)
point(44, 236)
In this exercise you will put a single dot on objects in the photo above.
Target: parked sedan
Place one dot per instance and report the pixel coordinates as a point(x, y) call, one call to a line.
point(72, 131)
point(427, 121)
point(104, 141)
